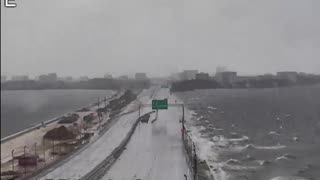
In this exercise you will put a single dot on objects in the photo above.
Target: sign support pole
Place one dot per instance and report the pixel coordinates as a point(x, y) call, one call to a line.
point(183, 128)
point(139, 110)
point(157, 114)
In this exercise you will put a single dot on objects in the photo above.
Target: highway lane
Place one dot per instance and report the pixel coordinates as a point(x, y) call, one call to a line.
point(155, 151)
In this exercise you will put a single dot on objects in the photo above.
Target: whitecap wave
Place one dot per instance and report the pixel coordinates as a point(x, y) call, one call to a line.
point(289, 178)
point(286, 157)
point(274, 133)
point(213, 108)
point(233, 161)
point(264, 162)
point(251, 146)
point(243, 138)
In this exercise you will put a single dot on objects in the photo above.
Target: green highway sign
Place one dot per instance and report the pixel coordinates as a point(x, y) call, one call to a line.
point(160, 104)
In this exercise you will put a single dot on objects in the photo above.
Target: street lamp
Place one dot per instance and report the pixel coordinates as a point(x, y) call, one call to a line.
point(35, 153)
point(44, 150)
point(24, 151)
point(35, 148)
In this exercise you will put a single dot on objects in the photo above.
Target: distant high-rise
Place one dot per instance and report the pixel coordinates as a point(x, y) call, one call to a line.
point(188, 74)
point(20, 78)
point(289, 75)
point(3, 78)
point(141, 76)
point(174, 76)
point(226, 77)
point(220, 69)
point(107, 76)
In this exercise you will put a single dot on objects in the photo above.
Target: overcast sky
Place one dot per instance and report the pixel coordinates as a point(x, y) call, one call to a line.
point(94, 37)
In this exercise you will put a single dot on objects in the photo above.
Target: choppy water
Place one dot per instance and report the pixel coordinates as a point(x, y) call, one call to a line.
point(22, 109)
point(260, 134)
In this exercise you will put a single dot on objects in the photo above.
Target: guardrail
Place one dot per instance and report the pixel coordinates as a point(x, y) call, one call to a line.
point(99, 171)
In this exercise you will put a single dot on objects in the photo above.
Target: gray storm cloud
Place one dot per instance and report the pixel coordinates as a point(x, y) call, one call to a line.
point(79, 37)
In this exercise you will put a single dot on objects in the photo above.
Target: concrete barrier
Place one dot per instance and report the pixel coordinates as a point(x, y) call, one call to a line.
point(200, 169)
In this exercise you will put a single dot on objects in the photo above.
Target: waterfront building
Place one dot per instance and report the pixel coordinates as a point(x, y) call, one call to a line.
point(202, 76)
point(123, 77)
point(108, 76)
point(20, 78)
point(3, 78)
point(226, 77)
point(141, 76)
point(289, 75)
point(84, 78)
point(51, 77)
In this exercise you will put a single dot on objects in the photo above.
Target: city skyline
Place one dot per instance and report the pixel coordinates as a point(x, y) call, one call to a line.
point(194, 72)
point(93, 38)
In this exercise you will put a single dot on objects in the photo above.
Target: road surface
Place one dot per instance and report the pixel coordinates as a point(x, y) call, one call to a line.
point(155, 151)
point(89, 158)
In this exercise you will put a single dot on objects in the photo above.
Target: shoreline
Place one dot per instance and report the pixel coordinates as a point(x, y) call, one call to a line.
point(47, 122)
point(89, 159)
point(230, 146)
point(50, 158)
point(245, 88)
point(34, 135)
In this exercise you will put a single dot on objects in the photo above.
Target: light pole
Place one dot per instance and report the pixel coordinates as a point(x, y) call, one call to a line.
point(35, 148)
point(183, 128)
point(24, 155)
point(12, 159)
point(35, 153)
point(195, 162)
point(139, 110)
point(98, 102)
point(105, 103)
point(44, 150)
point(24, 151)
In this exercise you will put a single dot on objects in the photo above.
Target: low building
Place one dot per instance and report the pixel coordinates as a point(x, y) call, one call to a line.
point(124, 77)
point(51, 77)
point(246, 78)
point(288, 75)
point(68, 79)
point(202, 76)
point(84, 78)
